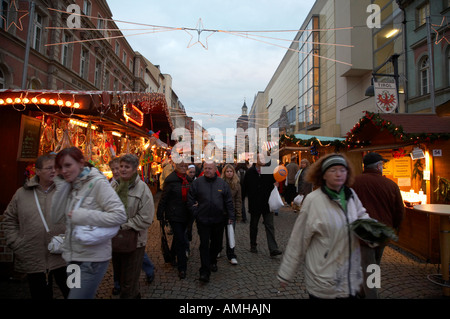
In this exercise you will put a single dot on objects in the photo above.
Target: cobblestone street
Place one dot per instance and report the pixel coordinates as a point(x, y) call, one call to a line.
point(403, 276)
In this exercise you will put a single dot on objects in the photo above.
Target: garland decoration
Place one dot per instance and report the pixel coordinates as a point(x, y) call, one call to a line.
point(312, 142)
point(396, 130)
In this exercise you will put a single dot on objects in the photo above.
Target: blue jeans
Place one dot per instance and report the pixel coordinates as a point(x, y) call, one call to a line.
point(91, 275)
point(148, 266)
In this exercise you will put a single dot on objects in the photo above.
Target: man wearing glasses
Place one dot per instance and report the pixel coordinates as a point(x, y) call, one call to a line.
point(28, 237)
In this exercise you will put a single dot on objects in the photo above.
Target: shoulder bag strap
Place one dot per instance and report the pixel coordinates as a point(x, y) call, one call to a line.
point(40, 211)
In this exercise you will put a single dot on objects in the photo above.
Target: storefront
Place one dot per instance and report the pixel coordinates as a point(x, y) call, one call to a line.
point(418, 147)
point(102, 124)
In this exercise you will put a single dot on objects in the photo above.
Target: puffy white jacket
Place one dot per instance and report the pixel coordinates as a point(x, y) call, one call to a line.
point(102, 207)
point(322, 239)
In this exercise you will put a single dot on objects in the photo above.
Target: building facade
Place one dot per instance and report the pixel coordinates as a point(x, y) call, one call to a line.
point(427, 47)
point(92, 55)
point(321, 80)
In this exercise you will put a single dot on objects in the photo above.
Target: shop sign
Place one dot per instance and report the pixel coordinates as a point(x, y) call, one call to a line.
point(386, 96)
point(402, 167)
point(133, 114)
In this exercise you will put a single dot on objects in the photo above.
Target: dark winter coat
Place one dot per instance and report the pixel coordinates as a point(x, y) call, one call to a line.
point(257, 187)
point(171, 206)
point(213, 195)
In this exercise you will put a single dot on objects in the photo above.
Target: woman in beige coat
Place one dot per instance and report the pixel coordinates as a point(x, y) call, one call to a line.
point(321, 240)
point(140, 209)
point(27, 236)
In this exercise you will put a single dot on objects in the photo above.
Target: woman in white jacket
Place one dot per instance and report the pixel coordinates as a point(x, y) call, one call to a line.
point(101, 207)
point(321, 237)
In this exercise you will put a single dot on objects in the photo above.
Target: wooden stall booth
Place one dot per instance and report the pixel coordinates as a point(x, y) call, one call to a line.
point(418, 147)
point(102, 124)
point(308, 146)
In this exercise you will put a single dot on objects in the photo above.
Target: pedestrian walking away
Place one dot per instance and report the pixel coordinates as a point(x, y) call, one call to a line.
point(258, 188)
point(383, 201)
point(211, 204)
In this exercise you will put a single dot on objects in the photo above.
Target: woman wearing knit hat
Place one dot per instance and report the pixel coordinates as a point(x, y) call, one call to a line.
point(321, 237)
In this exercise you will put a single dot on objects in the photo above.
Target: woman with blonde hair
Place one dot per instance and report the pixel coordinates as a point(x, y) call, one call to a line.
point(230, 176)
point(321, 239)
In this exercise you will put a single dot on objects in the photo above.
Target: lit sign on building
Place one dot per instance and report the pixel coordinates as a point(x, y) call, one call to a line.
point(133, 114)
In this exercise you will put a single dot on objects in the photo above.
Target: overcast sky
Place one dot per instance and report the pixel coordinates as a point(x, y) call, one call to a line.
point(212, 83)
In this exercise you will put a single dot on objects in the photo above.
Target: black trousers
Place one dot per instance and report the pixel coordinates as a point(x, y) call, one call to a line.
point(41, 284)
point(179, 244)
point(211, 236)
point(290, 193)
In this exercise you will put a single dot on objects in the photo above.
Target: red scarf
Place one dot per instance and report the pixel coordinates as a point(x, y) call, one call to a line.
point(184, 186)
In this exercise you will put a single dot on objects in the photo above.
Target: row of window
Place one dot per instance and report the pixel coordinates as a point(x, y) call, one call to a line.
point(9, 15)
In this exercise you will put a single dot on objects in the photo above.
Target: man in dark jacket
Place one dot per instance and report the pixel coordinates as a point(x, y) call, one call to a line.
point(383, 201)
point(211, 204)
point(257, 187)
point(172, 207)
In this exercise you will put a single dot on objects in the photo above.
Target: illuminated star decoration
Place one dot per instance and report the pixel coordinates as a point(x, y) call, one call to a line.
point(199, 29)
point(437, 32)
point(20, 19)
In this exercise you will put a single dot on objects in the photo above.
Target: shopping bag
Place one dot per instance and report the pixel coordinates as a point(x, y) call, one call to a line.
point(231, 241)
point(275, 201)
point(298, 200)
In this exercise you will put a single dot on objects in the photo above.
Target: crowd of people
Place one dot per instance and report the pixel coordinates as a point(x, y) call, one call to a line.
point(68, 192)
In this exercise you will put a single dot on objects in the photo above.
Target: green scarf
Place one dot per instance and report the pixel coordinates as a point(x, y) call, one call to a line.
point(340, 196)
point(122, 190)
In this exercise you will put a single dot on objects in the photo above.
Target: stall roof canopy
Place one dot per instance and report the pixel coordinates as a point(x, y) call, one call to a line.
point(419, 123)
point(104, 108)
point(320, 138)
point(397, 129)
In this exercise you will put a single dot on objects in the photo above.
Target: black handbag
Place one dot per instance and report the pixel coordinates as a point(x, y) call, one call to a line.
point(167, 254)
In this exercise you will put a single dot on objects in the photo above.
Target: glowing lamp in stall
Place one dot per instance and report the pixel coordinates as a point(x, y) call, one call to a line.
point(116, 134)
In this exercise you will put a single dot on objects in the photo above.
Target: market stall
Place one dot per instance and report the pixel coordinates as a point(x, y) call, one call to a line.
point(418, 147)
point(102, 124)
point(308, 146)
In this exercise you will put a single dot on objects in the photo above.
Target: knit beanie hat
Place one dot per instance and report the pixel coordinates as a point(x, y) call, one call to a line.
point(333, 161)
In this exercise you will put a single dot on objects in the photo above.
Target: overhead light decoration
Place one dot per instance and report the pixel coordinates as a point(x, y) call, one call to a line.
point(43, 100)
point(81, 123)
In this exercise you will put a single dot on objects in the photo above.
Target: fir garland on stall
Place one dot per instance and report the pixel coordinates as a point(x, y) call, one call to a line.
point(395, 130)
